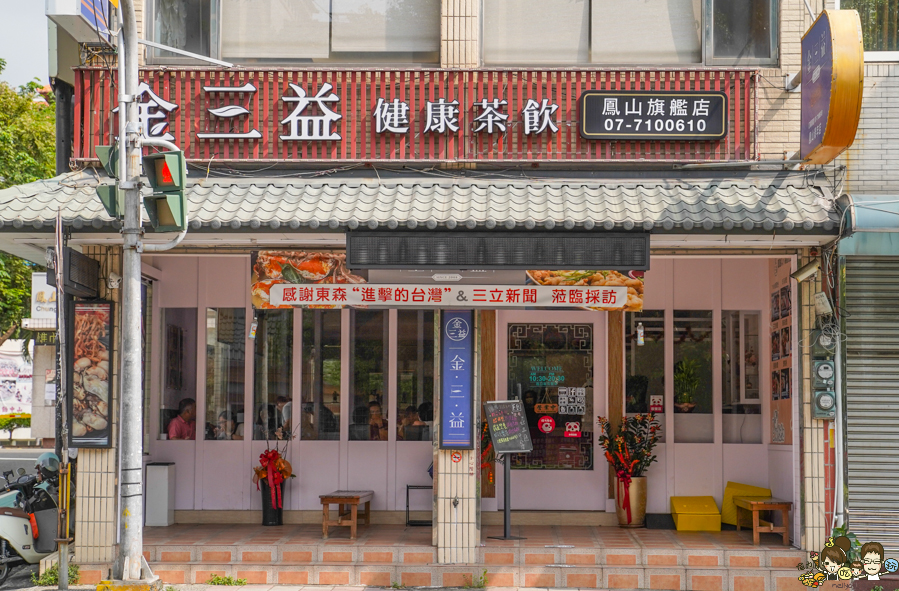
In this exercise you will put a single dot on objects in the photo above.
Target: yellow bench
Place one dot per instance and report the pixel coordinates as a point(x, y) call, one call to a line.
point(695, 514)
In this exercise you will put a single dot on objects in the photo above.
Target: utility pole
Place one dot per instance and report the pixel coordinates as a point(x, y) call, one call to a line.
point(128, 565)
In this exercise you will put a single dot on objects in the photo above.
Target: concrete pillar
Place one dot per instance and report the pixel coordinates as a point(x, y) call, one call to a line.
point(460, 33)
point(457, 485)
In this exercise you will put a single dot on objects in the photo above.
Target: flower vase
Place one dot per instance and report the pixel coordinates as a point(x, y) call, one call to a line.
point(630, 501)
point(270, 514)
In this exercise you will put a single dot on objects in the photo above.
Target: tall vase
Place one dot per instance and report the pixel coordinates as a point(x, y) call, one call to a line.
point(630, 501)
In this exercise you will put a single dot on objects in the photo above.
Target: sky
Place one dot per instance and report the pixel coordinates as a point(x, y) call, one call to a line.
point(23, 41)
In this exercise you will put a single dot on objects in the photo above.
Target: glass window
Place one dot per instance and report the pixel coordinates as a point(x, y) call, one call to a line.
point(651, 32)
point(189, 25)
point(645, 364)
point(743, 30)
point(879, 22)
point(321, 375)
point(693, 419)
point(368, 386)
point(225, 350)
point(178, 408)
point(331, 30)
point(536, 31)
point(741, 404)
point(557, 32)
point(273, 375)
point(551, 372)
point(415, 375)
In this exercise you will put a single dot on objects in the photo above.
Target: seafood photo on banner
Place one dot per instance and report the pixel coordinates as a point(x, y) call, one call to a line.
point(91, 373)
point(633, 280)
point(296, 267)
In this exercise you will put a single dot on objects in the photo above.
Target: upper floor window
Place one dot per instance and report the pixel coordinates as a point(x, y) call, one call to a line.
point(299, 31)
point(880, 27)
point(649, 32)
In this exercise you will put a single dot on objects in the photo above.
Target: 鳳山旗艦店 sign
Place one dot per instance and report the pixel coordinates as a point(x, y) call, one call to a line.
point(833, 75)
point(653, 115)
point(456, 401)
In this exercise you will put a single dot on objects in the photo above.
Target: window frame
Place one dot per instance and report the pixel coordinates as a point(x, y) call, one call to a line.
point(215, 45)
point(708, 42)
point(215, 33)
point(875, 56)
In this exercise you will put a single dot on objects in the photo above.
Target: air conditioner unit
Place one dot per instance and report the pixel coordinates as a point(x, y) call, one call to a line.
point(85, 20)
point(81, 275)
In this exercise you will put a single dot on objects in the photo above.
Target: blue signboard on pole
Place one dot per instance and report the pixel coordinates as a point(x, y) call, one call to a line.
point(457, 401)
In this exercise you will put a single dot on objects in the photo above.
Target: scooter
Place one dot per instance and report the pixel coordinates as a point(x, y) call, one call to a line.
point(29, 513)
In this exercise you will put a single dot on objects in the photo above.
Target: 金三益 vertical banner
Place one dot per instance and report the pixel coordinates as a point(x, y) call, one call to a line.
point(456, 404)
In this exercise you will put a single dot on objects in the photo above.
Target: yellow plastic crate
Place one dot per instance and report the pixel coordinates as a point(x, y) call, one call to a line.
point(695, 514)
point(735, 489)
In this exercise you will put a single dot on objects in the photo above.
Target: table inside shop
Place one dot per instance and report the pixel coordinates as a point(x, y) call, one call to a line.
point(755, 505)
point(348, 502)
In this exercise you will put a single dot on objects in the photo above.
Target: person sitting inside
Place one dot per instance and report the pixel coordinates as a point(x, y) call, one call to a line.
point(266, 422)
point(283, 405)
point(184, 425)
point(228, 427)
point(411, 418)
point(377, 423)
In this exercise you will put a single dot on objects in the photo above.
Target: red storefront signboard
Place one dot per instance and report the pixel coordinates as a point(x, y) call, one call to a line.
point(402, 115)
point(478, 296)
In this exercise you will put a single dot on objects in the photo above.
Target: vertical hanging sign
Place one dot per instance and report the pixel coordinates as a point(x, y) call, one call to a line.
point(456, 404)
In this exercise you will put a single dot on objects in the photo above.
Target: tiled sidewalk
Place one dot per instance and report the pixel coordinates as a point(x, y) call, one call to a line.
point(550, 556)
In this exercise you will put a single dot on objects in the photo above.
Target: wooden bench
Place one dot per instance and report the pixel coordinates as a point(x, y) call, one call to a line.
point(348, 502)
point(757, 504)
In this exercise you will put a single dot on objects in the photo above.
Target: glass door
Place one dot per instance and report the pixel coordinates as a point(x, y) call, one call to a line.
point(550, 362)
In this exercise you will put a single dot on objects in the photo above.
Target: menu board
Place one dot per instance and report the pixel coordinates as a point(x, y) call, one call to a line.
point(508, 426)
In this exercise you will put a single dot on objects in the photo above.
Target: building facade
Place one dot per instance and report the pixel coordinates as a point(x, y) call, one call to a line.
point(456, 121)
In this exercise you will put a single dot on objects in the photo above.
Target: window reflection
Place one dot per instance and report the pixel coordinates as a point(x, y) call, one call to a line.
point(415, 375)
point(693, 420)
point(273, 374)
point(320, 418)
point(741, 405)
point(645, 364)
point(179, 379)
point(551, 372)
point(368, 336)
point(225, 350)
point(742, 29)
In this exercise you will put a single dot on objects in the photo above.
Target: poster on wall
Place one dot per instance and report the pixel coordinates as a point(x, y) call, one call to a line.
point(15, 381)
point(781, 330)
point(632, 280)
point(90, 374)
point(294, 267)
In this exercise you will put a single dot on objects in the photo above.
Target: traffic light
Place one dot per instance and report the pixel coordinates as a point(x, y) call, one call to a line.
point(167, 207)
point(109, 195)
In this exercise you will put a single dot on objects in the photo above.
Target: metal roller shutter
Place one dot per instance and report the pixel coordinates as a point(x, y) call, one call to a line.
point(872, 398)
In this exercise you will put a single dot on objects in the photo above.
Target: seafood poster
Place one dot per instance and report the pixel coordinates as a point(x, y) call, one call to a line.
point(632, 280)
point(90, 374)
point(273, 267)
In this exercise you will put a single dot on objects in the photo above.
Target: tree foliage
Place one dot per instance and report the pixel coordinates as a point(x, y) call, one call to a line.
point(11, 425)
point(27, 134)
point(27, 153)
point(15, 294)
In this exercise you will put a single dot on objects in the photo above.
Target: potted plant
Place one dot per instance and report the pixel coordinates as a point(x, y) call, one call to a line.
point(629, 452)
point(686, 383)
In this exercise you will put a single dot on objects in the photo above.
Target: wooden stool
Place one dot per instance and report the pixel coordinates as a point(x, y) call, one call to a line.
point(348, 502)
point(756, 504)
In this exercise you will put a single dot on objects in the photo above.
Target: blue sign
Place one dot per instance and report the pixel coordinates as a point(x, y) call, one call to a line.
point(456, 403)
point(817, 80)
